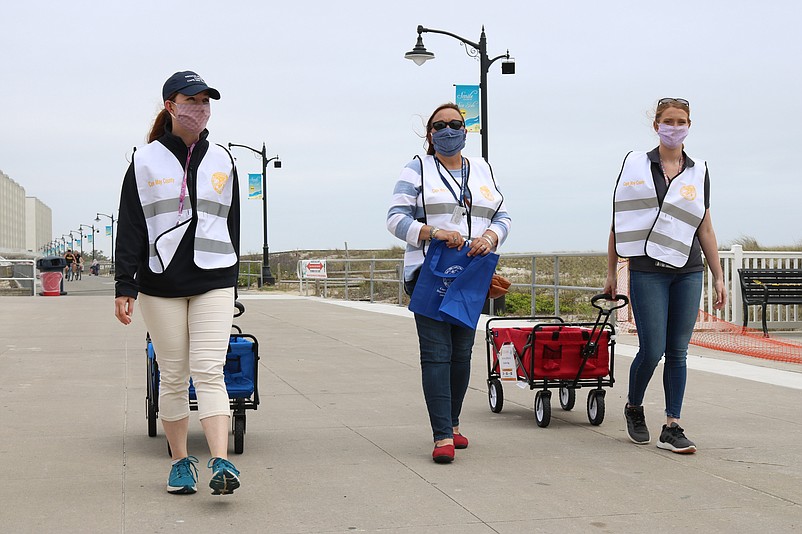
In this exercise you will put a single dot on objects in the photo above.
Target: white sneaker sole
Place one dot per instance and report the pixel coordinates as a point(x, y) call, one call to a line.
point(669, 447)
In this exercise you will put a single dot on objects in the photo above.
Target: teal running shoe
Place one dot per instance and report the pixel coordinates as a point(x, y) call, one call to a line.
point(183, 476)
point(225, 477)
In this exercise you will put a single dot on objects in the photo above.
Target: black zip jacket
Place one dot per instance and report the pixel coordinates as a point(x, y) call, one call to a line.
point(182, 278)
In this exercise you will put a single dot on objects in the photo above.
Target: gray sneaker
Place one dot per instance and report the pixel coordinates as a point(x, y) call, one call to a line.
point(637, 430)
point(673, 439)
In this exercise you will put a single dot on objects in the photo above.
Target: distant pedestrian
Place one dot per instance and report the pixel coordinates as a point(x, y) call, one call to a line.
point(79, 266)
point(94, 268)
point(69, 271)
point(447, 197)
point(661, 222)
point(178, 251)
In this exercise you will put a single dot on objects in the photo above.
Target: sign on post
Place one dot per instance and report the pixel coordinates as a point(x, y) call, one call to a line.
point(467, 99)
point(312, 269)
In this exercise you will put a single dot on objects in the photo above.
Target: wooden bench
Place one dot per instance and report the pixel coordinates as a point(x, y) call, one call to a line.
point(769, 286)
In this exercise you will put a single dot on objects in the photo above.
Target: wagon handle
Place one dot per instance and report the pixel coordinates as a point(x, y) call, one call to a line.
point(621, 299)
point(240, 308)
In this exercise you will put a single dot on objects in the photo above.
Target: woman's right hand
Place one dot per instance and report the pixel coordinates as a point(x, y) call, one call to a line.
point(452, 238)
point(610, 285)
point(124, 309)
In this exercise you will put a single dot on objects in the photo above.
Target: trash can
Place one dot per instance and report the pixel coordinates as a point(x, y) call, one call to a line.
point(52, 269)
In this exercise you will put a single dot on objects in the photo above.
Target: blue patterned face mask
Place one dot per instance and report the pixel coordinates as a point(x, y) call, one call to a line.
point(449, 142)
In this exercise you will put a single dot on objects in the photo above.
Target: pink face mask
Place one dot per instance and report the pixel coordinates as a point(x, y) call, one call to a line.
point(672, 136)
point(192, 117)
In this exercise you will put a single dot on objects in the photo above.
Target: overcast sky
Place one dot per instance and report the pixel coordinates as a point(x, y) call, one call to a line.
point(326, 86)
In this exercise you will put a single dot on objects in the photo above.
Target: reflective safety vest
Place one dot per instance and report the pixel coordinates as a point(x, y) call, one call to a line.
point(439, 202)
point(159, 176)
point(643, 227)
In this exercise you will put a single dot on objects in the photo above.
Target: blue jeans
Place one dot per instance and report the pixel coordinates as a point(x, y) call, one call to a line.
point(445, 360)
point(665, 306)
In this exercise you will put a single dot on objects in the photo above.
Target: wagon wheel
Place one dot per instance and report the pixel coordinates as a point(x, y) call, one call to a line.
point(495, 395)
point(567, 397)
point(596, 406)
point(543, 408)
point(239, 433)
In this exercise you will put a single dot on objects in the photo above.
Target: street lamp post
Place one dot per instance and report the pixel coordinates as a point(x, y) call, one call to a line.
point(80, 239)
point(97, 219)
point(420, 55)
point(267, 277)
point(92, 226)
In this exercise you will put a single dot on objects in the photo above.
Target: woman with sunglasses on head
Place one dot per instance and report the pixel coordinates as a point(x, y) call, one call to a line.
point(661, 222)
point(447, 197)
point(178, 254)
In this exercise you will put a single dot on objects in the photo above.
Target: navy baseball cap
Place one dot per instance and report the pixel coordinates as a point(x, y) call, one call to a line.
point(187, 83)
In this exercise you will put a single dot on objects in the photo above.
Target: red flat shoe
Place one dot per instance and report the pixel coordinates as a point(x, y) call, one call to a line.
point(460, 441)
point(443, 454)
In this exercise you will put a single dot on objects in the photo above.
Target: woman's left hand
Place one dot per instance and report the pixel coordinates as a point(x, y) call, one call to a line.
point(483, 245)
point(721, 294)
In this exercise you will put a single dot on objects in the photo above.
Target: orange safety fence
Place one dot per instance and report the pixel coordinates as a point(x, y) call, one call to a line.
point(718, 334)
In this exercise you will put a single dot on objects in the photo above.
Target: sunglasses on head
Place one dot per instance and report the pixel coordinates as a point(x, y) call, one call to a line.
point(456, 124)
point(671, 100)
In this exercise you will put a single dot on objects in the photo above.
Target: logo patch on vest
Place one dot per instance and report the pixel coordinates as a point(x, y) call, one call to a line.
point(486, 193)
point(219, 180)
point(688, 192)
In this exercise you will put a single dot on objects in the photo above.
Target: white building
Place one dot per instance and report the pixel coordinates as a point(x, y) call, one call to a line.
point(25, 224)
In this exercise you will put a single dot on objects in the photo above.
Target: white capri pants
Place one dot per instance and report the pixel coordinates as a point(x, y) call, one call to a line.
point(190, 336)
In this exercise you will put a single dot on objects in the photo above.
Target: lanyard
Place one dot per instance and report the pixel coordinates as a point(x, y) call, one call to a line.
point(463, 186)
point(184, 185)
point(680, 163)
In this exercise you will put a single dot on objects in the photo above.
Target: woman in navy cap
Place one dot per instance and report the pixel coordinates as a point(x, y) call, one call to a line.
point(177, 252)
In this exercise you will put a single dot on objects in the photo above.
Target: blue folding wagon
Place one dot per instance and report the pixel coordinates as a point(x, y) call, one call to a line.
point(241, 375)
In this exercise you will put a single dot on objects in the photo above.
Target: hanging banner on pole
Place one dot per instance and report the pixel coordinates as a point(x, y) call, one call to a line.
point(108, 230)
point(467, 99)
point(90, 238)
point(254, 186)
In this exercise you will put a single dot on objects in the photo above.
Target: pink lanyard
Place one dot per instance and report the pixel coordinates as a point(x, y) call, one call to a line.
point(680, 163)
point(184, 185)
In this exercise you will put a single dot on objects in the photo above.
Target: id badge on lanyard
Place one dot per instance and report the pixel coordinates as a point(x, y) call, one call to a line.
point(459, 214)
point(460, 210)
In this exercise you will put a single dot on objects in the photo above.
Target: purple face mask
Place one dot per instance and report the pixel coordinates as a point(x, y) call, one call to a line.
point(672, 136)
point(192, 117)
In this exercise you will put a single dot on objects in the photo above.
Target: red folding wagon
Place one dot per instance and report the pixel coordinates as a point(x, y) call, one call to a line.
point(547, 353)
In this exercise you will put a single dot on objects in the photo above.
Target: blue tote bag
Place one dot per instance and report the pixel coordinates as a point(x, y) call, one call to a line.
point(441, 269)
point(466, 295)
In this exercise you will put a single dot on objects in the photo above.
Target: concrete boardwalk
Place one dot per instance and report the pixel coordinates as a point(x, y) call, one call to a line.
point(341, 442)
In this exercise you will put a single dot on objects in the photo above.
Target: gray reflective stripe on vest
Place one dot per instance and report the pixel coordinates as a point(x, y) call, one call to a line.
point(670, 243)
point(635, 235)
point(216, 247)
point(637, 204)
point(162, 206)
point(441, 209)
point(682, 215)
point(206, 245)
point(483, 212)
point(213, 208)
